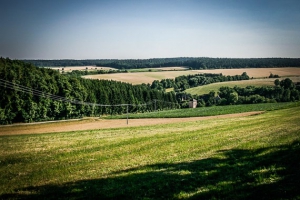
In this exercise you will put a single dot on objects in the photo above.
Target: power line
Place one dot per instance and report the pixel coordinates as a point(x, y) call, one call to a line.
point(21, 88)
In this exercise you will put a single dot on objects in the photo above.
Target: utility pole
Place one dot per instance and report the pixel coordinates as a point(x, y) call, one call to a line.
point(127, 114)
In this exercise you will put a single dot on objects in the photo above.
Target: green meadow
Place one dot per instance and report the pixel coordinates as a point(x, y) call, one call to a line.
point(206, 111)
point(253, 157)
point(205, 89)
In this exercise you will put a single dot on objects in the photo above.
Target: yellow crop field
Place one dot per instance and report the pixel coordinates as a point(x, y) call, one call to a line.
point(140, 77)
point(149, 77)
point(257, 72)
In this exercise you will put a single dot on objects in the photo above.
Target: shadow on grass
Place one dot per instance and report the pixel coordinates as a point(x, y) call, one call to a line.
point(266, 173)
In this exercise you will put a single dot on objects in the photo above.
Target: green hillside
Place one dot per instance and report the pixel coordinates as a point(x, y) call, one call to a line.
point(205, 89)
point(255, 157)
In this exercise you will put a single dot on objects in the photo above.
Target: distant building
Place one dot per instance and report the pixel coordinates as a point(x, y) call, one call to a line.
point(193, 103)
point(218, 98)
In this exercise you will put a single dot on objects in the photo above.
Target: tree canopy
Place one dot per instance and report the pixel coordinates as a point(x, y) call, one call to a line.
point(30, 93)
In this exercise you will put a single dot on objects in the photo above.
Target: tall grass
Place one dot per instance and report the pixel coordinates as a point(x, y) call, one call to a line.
point(235, 158)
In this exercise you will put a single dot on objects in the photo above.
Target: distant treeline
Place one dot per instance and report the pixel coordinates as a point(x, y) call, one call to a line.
point(24, 98)
point(190, 62)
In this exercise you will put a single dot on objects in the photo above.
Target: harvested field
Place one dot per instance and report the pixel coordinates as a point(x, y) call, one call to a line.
point(140, 77)
point(257, 72)
point(149, 77)
point(96, 123)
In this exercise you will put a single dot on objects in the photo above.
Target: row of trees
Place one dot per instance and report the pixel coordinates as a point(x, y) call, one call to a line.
point(79, 73)
point(190, 62)
point(282, 91)
point(182, 83)
point(25, 95)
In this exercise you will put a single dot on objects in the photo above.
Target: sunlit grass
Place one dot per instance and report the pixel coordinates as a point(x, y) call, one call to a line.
point(232, 158)
point(208, 111)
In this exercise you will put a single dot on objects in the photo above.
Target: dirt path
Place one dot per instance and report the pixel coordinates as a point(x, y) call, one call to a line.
point(91, 124)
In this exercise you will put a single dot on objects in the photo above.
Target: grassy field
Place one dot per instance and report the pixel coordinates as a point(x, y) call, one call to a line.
point(205, 89)
point(208, 111)
point(148, 77)
point(254, 157)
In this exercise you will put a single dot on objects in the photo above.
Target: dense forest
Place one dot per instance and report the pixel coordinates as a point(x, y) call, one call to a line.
point(190, 62)
point(30, 93)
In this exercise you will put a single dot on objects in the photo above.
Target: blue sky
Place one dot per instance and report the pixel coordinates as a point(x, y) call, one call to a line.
point(139, 29)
